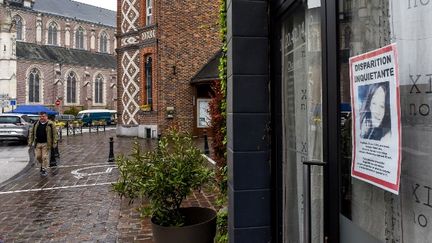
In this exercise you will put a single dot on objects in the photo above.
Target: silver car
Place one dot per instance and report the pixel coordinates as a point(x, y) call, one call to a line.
point(14, 127)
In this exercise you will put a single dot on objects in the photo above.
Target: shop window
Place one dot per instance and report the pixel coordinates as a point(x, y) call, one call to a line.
point(34, 86)
point(71, 88)
point(367, 27)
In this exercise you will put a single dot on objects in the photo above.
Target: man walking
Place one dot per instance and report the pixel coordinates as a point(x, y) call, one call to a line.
point(43, 136)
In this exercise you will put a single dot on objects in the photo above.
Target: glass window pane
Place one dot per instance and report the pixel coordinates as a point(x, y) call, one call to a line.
point(302, 121)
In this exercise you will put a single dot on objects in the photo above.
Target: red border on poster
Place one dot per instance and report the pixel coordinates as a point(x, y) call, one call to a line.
point(392, 187)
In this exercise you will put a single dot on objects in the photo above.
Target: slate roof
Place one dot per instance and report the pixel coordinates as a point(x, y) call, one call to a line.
point(209, 72)
point(31, 51)
point(81, 11)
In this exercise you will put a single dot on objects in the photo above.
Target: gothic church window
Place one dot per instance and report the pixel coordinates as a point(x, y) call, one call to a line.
point(71, 88)
point(149, 9)
point(98, 89)
point(148, 80)
point(52, 33)
point(79, 38)
point(34, 86)
point(103, 42)
point(19, 27)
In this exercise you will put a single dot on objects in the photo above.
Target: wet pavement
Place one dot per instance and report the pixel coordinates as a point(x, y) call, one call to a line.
point(75, 202)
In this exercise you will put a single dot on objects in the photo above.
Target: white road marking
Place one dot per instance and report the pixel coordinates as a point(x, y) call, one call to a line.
point(57, 188)
point(78, 174)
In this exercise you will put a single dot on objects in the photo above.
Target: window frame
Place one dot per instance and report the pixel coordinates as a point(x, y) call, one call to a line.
point(79, 38)
point(53, 33)
point(34, 89)
point(149, 12)
point(71, 88)
point(148, 75)
point(98, 90)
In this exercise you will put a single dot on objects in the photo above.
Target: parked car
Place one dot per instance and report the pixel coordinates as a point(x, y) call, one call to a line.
point(65, 118)
point(88, 116)
point(14, 127)
point(33, 118)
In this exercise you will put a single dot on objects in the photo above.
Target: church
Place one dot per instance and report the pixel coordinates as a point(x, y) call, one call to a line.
point(57, 53)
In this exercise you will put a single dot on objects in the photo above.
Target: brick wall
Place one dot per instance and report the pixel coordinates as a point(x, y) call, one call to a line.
point(188, 38)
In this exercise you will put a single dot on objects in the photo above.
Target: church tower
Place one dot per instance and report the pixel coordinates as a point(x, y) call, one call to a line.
point(8, 61)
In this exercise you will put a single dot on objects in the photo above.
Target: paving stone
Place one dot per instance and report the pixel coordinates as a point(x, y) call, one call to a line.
point(65, 208)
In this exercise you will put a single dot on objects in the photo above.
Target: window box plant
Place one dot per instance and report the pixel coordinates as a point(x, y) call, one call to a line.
point(145, 107)
point(165, 177)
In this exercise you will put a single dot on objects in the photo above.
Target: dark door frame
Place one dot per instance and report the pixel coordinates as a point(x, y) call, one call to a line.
point(330, 112)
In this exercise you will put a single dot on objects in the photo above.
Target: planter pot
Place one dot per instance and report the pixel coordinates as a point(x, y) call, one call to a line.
point(200, 227)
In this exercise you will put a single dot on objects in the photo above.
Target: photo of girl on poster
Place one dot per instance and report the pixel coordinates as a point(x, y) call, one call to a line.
point(375, 122)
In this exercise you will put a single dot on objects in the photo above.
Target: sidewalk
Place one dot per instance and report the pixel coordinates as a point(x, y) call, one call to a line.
point(75, 203)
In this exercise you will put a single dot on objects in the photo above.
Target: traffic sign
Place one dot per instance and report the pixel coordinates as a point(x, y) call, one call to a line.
point(12, 102)
point(57, 102)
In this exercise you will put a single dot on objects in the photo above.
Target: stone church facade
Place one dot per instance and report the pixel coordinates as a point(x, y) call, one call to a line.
point(162, 45)
point(64, 51)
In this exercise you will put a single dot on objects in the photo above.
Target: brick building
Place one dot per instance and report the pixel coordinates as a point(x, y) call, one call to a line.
point(162, 46)
point(63, 50)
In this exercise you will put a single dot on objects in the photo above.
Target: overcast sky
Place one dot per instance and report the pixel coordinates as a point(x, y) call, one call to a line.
point(108, 4)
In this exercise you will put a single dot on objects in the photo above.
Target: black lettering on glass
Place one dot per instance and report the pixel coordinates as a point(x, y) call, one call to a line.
point(414, 84)
point(428, 197)
point(415, 187)
point(424, 109)
point(422, 220)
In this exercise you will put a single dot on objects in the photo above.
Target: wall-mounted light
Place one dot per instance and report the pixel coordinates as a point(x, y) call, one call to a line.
point(174, 68)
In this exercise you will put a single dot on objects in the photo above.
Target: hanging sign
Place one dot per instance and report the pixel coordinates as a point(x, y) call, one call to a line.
point(376, 129)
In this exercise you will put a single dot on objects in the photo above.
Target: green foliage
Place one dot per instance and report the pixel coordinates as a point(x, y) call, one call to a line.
point(71, 111)
point(165, 176)
point(222, 226)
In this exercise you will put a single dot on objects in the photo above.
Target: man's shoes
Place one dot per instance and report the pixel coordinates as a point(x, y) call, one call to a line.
point(43, 172)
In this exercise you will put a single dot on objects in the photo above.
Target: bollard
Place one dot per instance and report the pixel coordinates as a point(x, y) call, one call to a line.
point(111, 152)
point(73, 130)
point(61, 133)
point(67, 129)
point(89, 128)
point(206, 146)
point(97, 128)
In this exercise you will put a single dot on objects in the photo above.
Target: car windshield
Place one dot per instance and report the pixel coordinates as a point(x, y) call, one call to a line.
point(9, 119)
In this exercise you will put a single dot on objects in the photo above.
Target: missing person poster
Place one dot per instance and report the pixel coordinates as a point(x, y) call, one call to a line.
point(376, 130)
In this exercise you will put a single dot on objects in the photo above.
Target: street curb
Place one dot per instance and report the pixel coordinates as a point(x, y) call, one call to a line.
point(26, 169)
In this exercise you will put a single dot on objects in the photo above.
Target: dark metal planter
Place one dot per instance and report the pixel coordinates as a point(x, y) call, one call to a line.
point(200, 227)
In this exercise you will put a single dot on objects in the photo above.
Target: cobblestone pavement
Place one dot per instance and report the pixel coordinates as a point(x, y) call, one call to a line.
point(75, 202)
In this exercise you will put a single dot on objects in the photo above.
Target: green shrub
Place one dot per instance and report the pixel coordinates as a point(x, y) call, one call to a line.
point(164, 176)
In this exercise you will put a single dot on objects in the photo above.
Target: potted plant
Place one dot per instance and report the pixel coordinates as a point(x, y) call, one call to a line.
point(145, 107)
point(165, 177)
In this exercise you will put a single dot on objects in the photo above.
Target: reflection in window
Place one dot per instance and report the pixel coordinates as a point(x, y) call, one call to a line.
point(148, 78)
point(34, 85)
point(18, 27)
point(79, 38)
point(71, 88)
point(103, 42)
point(52, 33)
point(98, 89)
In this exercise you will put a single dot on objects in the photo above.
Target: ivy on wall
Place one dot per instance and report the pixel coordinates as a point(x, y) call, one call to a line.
point(218, 114)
